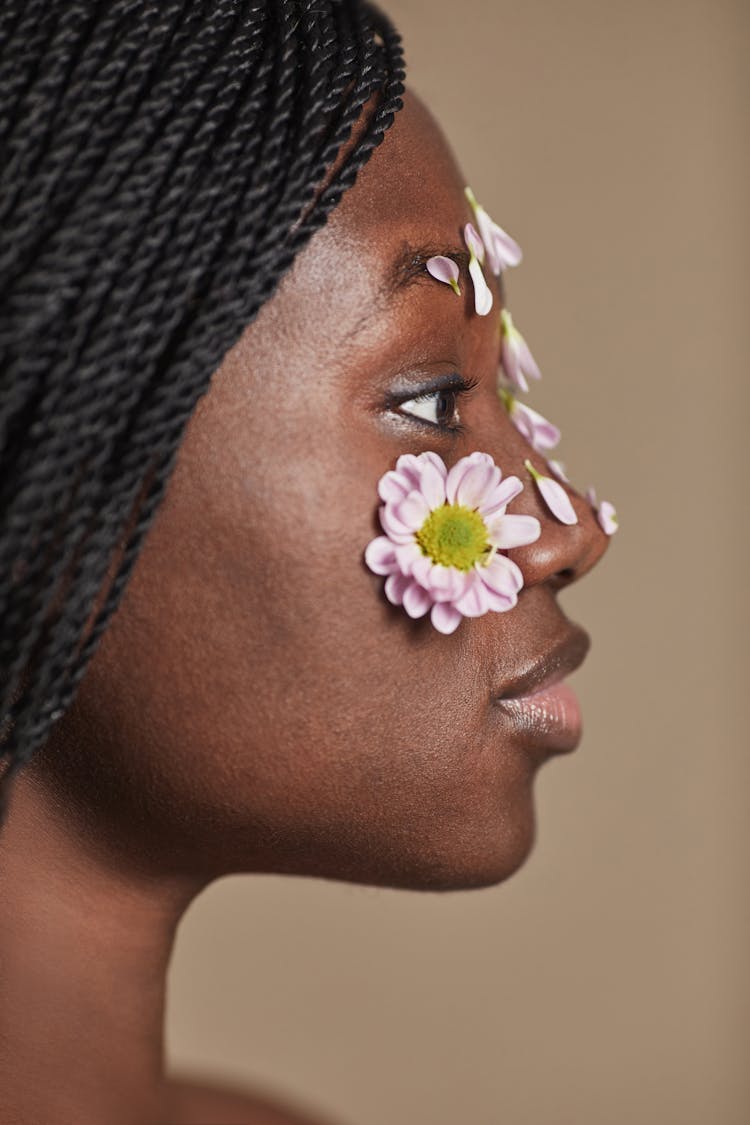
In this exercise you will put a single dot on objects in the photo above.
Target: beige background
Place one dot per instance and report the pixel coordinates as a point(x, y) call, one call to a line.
point(607, 983)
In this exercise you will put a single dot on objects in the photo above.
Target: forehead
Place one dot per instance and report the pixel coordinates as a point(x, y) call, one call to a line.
point(412, 178)
point(410, 192)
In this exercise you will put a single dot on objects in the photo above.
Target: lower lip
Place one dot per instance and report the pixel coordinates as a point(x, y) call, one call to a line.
point(549, 718)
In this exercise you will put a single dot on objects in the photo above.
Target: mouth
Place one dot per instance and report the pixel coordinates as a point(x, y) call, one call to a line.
point(542, 708)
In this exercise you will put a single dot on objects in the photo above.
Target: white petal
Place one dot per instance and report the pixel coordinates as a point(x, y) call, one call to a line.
point(483, 298)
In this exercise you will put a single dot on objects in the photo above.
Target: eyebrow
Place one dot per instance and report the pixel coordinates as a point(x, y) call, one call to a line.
point(409, 266)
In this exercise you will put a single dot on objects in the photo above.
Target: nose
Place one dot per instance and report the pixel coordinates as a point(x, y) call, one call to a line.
point(563, 553)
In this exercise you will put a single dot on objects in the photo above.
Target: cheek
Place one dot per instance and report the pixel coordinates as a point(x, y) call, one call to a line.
point(288, 700)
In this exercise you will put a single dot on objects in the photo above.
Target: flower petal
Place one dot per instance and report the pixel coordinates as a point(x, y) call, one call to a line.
point(445, 270)
point(380, 555)
point(436, 460)
point(474, 602)
point(393, 486)
point(474, 483)
point(417, 600)
point(445, 617)
point(607, 517)
point(446, 583)
point(393, 527)
point(432, 485)
point(483, 298)
point(501, 496)
point(556, 499)
point(502, 576)
point(395, 586)
point(513, 531)
point(537, 430)
point(407, 555)
point(474, 242)
point(558, 469)
point(528, 363)
point(412, 511)
point(511, 364)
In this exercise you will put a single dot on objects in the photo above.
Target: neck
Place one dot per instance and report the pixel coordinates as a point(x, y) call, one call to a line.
point(85, 944)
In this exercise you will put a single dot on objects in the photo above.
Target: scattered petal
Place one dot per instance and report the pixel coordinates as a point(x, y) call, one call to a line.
point(482, 293)
point(445, 270)
point(473, 242)
point(517, 361)
point(607, 517)
point(502, 250)
point(558, 469)
point(538, 431)
point(554, 496)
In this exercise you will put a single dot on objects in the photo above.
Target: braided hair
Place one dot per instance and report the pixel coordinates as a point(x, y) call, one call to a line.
point(161, 164)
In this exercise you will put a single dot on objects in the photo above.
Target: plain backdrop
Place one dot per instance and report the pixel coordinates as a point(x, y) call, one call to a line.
point(607, 982)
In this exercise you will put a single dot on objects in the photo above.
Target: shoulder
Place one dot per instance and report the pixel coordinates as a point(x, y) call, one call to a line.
point(191, 1102)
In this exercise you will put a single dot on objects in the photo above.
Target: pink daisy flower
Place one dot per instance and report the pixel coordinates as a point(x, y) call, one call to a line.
point(444, 531)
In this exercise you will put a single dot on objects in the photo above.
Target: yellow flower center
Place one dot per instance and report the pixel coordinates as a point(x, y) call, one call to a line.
point(454, 536)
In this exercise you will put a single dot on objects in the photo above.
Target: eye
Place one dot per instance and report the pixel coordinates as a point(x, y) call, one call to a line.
point(439, 407)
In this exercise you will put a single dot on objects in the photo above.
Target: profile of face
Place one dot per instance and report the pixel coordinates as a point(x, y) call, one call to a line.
point(256, 704)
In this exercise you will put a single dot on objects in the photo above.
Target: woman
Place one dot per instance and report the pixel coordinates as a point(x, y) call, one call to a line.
point(197, 194)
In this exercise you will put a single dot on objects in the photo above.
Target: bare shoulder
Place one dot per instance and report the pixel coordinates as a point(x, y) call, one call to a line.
point(192, 1102)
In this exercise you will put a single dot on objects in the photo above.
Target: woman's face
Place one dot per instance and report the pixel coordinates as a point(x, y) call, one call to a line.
point(256, 703)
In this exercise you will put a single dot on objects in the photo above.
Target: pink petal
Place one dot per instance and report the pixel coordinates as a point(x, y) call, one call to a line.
point(528, 363)
point(537, 430)
point(591, 496)
point(393, 527)
point(514, 531)
point(511, 364)
point(412, 511)
point(474, 242)
point(395, 587)
point(432, 485)
point(435, 459)
point(407, 556)
point(558, 469)
point(380, 555)
point(607, 517)
point(557, 500)
point(445, 270)
point(501, 603)
point(422, 569)
point(393, 486)
point(483, 298)
point(506, 249)
point(417, 600)
point(502, 576)
point(475, 483)
point(444, 617)
point(475, 601)
point(501, 496)
point(446, 583)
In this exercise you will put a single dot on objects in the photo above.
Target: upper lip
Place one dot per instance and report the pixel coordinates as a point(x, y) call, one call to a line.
point(549, 668)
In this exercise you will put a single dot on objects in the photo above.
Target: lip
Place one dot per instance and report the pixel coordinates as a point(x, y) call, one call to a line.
point(542, 707)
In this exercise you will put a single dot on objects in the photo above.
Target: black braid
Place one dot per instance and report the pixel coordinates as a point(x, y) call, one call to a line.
point(162, 163)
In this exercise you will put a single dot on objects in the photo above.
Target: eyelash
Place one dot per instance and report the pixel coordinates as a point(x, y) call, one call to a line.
point(460, 387)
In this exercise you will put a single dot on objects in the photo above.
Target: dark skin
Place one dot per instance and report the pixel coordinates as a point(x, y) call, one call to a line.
point(256, 705)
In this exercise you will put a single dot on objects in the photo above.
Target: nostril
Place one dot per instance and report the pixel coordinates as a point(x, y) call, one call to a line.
point(564, 577)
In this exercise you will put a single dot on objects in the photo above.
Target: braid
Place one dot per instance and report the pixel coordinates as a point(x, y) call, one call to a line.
point(162, 162)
